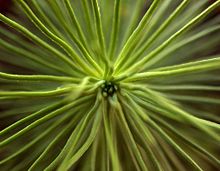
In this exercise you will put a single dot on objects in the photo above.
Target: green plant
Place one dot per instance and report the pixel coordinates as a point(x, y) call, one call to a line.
point(94, 86)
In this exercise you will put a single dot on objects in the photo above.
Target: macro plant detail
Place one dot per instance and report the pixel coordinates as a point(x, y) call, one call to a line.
point(110, 85)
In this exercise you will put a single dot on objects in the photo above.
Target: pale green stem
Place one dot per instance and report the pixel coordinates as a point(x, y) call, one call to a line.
point(129, 137)
point(113, 101)
point(194, 99)
point(69, 30)
point(183, 87)
point(67, 146)
point(168, 139)
point(33, 49)
point(31, 117)
point(17, 39)
point(173, 144)
point(176, 70)
point(22, 111)
point(140, 65)
point(154, 20)
point(63, 152)
point(94, 153)
point(204, 125)
point(151, 39)
point(42, 120)
point(36, 140)
point(76, 23)
point(44, 18)
point(31, 56)
point(136, 35)
point(63, 21)
point(207, 115)
point(87, 144)
point(26, 160)
point(133, 22)
point(57, 139)
point(115, 30)
point(175, 162)
point(88, 18)
point(79, 133)
point(103, 153)
point(149, 104)
point(66, 47)
point(99, 31)
point(48, 93)
point(197, 78)
point(166, 108)
point(181, 44)
point(193, 144)
point(209, 60)
point(109, 138)
point(113, 130)
point(52, 78)
point(39, 41)
point(145, 136)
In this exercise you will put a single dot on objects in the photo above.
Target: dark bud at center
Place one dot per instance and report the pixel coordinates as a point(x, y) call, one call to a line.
point(108, 89)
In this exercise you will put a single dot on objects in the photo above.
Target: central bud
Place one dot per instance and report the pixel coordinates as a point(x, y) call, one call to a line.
point(108, 89)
